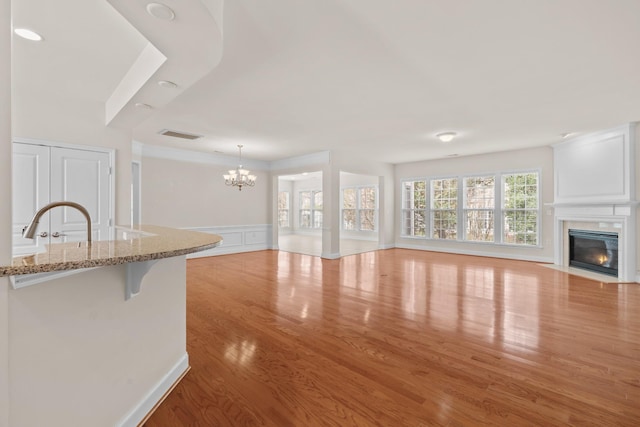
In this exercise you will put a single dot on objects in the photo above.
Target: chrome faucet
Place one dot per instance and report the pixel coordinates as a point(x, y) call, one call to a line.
point(30, 230)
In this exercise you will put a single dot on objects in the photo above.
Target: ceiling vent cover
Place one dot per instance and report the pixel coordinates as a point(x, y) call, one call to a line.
point(176, 134)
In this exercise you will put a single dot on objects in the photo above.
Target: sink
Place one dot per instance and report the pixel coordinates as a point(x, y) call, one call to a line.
point(125, 233)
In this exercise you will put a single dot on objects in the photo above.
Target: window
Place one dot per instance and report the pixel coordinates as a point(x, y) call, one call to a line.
point(367, 214)
point(316, 211)
point(349, 208)
point(444, 208)
point(473, 208)
point(479, 204)
point(414, 204)
point(359, 206)
point(283, 209)
point(520, 207)
point(310, 209)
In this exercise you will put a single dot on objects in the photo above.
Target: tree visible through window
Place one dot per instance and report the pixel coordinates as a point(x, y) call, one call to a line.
point(359, 207)
point(368, 209)
point(414, 204)
point(471, 204)
point(520, 208)
point(283, 209)
point(444, 208)
point(349, 209)
point(479, 208)
point(310, 209)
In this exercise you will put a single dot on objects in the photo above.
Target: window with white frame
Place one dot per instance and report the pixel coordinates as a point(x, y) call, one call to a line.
point(473, 208)
point(316, 211)
point(479, 205)
point(414, 205)
point(444, 208)
point(283, 209)
point(520, 208)
point(310, 209)
point(349, 209)
point(368, 206)
point(359, 209)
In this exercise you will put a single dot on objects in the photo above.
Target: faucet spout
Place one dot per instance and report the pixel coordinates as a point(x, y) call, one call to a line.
point(30, 230)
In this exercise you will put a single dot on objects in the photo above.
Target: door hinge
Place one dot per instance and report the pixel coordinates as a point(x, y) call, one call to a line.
point(110, 170)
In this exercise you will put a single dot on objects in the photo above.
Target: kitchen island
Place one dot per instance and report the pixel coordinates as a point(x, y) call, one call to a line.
point(100, 347)
point(134, 244)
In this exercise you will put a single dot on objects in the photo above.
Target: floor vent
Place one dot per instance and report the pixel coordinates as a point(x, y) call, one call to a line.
point(176, 134)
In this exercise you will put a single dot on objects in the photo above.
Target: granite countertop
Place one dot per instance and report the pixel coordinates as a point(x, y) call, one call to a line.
point(157, 243)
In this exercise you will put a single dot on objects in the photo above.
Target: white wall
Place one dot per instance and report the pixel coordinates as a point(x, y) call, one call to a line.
point(349, 180)
point(5, 208)
point(535, 158)
point(83, 356)
point(189, 194)
point(636, 129)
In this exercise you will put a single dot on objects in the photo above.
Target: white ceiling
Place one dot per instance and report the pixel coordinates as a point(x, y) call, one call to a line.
point(376, 78)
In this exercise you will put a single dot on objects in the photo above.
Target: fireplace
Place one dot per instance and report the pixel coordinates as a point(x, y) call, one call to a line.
point(594, 250)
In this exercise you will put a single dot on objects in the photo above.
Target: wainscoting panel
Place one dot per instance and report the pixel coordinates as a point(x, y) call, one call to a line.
point(595, 168)
point(236, 238)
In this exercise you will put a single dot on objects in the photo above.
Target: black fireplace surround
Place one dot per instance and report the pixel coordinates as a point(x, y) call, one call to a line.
point(594, 250)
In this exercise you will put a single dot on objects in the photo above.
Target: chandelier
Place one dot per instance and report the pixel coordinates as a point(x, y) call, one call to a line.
point(239, 177)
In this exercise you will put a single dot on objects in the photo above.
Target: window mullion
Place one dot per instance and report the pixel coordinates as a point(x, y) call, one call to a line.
point(497, 209)
point(460, 211)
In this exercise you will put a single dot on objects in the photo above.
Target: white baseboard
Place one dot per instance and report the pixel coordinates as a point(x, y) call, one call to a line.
point(505, 255)
point(140, 411)
point(330, 256)
point(390, 246)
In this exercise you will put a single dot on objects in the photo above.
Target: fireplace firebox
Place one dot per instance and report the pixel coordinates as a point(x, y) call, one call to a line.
point(594, 250)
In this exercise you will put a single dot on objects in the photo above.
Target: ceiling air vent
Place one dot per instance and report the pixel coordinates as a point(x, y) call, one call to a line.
point(176, 134)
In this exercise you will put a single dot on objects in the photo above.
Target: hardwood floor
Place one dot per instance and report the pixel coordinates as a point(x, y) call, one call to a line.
point(404, 338)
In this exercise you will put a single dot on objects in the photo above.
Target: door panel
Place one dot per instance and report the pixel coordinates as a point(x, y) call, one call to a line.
point(30, 189)
point(83, 177)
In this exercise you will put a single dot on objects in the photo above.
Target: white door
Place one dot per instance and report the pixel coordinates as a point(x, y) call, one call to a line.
point(43, 174)
point(83, 177)
point(30, 192)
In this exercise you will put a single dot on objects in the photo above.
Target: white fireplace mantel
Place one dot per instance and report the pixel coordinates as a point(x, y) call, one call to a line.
point(621, 218)
point(594, 189)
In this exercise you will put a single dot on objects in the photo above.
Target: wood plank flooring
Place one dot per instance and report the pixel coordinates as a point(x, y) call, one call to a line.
point(404, 338)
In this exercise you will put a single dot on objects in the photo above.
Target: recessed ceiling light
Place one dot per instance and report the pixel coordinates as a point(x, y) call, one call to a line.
point(305, 173)
point(161, 11)
point(28, 34)
point(143, 106)
point(167, 84)
point(452, 155)
point(446, 136)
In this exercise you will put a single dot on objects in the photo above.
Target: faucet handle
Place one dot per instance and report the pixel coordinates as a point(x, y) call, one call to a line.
point(44, 234)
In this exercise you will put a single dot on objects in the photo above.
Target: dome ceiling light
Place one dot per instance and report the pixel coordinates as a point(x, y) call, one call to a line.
point(167, 84)
point(27, 34)
point(446, 136)
point(161, 11)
